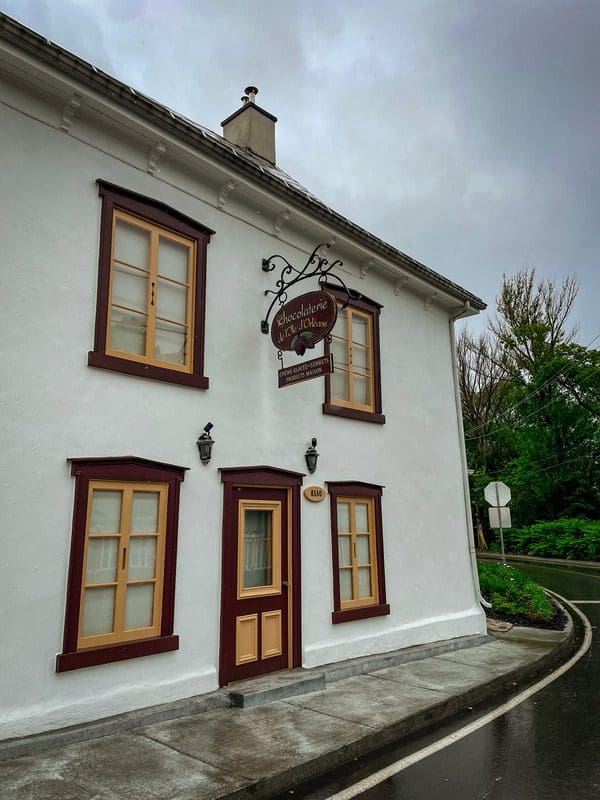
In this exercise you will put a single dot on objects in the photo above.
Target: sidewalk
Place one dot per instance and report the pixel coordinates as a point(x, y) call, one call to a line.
point(284, 734)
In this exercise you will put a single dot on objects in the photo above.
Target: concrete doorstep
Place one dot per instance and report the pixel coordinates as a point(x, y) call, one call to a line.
point(287, 728)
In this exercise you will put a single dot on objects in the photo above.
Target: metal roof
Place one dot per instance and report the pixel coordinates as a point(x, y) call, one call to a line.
point(255, 168)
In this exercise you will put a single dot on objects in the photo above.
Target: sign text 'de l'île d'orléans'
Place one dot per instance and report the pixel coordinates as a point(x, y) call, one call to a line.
point(306, 370)
point(304, 321)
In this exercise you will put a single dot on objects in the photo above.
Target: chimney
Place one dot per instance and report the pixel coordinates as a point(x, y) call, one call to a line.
point(251, 127)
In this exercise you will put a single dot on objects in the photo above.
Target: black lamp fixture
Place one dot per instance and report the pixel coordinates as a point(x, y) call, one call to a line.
point(311, 456)
point(205, 444)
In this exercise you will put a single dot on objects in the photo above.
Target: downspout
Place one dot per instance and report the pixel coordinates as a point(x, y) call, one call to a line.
point(466, 307)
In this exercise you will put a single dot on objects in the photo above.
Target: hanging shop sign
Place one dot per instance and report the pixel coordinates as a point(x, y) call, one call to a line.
point(304, 321)
point(299, 324)
point(317, 266)
point(315, 493)
point(305, 370)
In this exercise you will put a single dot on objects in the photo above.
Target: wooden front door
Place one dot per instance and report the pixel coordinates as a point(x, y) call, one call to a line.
point(257, 634)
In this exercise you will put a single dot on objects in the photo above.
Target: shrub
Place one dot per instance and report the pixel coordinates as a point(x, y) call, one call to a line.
point(577, 539)
point(514, 594)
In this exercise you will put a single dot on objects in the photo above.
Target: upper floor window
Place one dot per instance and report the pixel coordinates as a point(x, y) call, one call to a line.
point(151, 290)
point(354, 389)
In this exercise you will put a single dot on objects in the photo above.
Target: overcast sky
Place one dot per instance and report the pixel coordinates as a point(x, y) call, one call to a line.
point(464, 132)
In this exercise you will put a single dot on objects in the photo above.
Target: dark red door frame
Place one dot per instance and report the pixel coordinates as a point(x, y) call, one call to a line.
point(268, 477)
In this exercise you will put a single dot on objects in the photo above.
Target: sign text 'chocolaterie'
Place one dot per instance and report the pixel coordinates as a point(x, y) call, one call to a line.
point(304, 321)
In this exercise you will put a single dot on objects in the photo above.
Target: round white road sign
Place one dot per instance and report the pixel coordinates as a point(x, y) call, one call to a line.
point(497, 493)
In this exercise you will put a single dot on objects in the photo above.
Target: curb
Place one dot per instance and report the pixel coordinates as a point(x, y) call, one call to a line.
point(221, 699)
point(293, 777)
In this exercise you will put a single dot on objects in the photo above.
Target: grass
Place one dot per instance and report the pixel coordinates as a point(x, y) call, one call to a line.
point(513, 594)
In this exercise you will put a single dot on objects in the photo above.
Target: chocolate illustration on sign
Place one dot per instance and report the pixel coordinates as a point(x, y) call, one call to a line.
point(304, 321)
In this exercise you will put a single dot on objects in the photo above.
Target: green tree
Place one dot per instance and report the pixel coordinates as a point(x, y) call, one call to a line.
point(531, 402)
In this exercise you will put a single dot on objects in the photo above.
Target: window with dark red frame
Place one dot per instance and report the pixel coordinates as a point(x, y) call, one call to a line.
point(121, 583)
point(357, 551)
point(151, 290)
point(354, 388)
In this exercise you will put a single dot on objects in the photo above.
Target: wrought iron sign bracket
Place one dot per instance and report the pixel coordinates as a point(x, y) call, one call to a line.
point(317, 267)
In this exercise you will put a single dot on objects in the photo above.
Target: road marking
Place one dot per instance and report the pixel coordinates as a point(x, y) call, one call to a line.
point(402, 764)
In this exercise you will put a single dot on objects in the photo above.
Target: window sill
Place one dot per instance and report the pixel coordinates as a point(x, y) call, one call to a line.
point(351, 614)
point(354, 413)
point(118, 652)
point(141, 370)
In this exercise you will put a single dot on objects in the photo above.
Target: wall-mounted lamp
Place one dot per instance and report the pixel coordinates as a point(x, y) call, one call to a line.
point(205, 444)
point(311, 457)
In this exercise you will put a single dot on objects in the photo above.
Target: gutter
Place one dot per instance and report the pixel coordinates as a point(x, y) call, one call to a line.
point(466, 310)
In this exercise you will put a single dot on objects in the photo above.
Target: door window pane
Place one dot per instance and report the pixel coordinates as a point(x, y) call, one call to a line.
point(142, 558)
point(258, 548)
point(140, 604)
point(98, 610)
point(144, 512)
point(106, 511)
point(102, 560)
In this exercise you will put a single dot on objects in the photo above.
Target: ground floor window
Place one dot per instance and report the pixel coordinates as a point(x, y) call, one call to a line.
point(357, 551)
point(120, 596)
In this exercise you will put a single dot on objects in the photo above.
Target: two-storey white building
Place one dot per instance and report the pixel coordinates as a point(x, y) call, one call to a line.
point(134, 265)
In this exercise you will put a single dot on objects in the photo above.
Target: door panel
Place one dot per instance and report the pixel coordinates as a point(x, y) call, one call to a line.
point(272, 634)
point(246, 639)
point(255, 583)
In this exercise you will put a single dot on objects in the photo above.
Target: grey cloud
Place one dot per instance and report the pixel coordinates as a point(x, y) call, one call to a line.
point(464, 133)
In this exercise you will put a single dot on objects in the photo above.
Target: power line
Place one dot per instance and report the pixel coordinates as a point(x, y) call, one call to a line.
point(507, 426)
point(568, 461)
point(566, 369)
point(593, 452)
point(510, 409)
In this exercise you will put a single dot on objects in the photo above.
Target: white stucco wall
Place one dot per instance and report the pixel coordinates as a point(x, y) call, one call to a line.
point(54, 406)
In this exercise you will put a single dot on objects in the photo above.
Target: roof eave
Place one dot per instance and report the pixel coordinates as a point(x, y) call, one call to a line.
point(62, 60)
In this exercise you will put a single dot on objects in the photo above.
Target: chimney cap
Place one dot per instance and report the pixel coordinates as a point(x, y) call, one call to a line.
point(247, 100)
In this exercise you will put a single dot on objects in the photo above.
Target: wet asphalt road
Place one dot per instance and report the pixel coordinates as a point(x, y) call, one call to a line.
point(547, 748)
